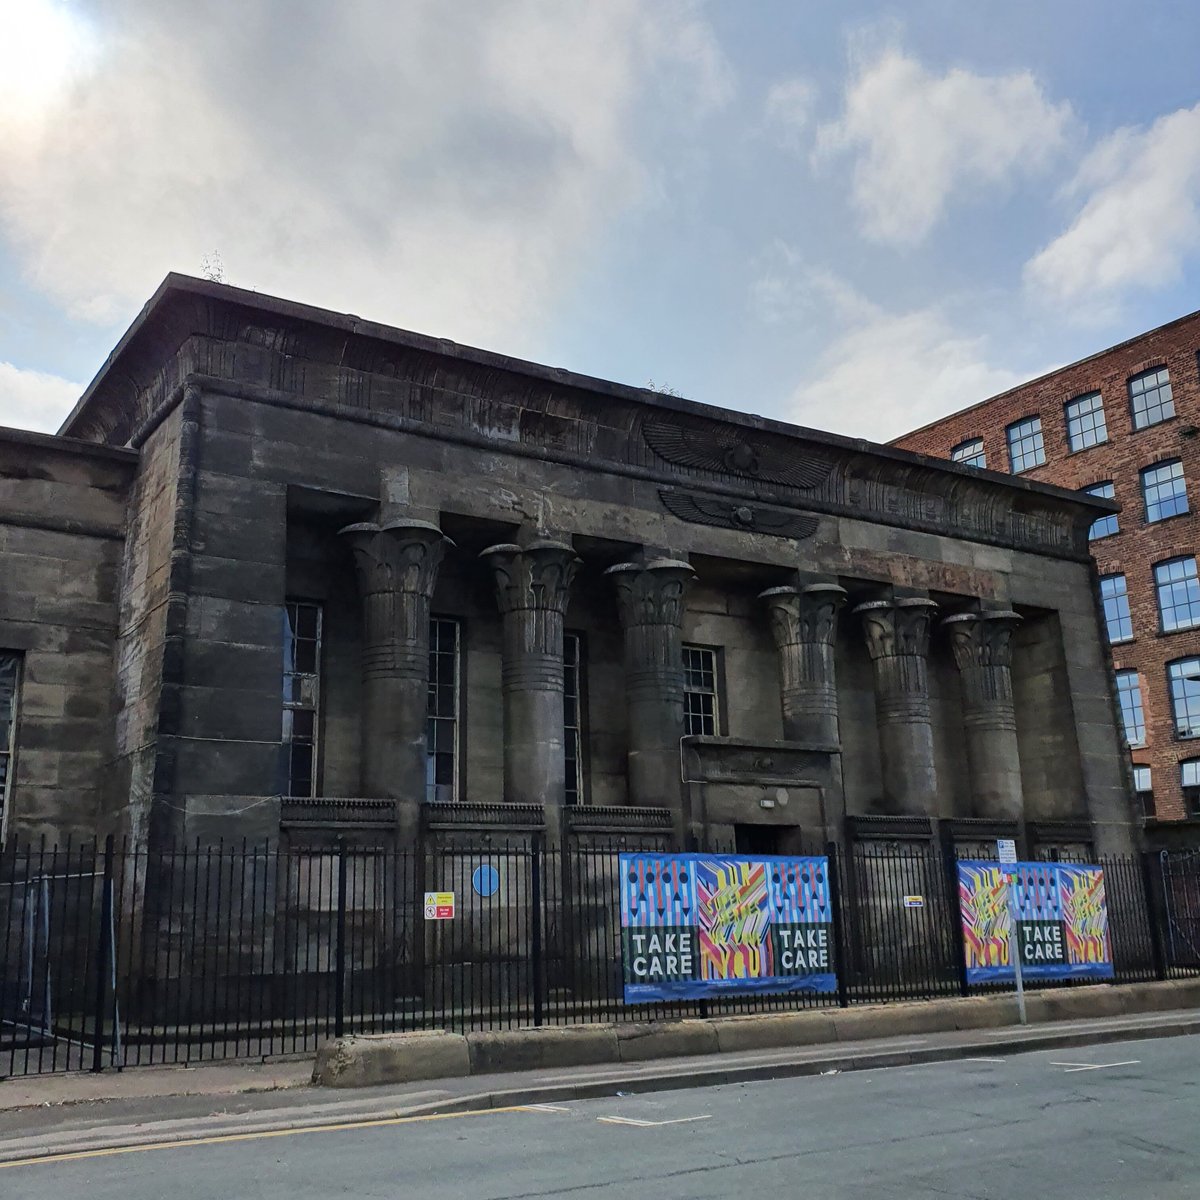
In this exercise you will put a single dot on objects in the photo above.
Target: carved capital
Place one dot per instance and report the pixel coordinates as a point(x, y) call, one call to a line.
point(804, 615)
point(982, 639)
point(537, 576)
point(897, 628)
point(651, 594)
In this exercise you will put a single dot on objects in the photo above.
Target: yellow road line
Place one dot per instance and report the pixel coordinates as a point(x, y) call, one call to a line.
point(220, 1139)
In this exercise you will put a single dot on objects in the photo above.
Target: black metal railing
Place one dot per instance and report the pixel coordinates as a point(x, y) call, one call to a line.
point(113, 955)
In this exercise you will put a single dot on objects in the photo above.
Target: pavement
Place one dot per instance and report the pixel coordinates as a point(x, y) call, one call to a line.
point(174, 1105)
point(1094, 1123)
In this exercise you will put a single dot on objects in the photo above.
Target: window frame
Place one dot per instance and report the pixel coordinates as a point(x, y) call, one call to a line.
point(1134, 424)
point(1159, 466)
point(1138, 705)
point(8, 748)
point(1191, 791)
point(1090, 490)
point(1100, 427)
point(1194, 678)
point(580, 727)
point(1039, 435)
point(292, 705)
point(1126, 618)
point(1192, 605)
point(1144, 795)
point(718, 676)
point(456, 719)
point(969, 460)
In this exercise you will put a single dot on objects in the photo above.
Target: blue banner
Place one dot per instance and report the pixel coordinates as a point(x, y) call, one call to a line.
point(697, 925)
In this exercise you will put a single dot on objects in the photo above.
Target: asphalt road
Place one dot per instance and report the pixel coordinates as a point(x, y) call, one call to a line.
point(1107, 1121)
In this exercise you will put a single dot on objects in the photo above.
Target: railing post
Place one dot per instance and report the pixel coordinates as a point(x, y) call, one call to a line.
point(339, 983)
point(1155, 914)
point(535, 897)
point(950, 864)
point(103, 952)
point(840, 961)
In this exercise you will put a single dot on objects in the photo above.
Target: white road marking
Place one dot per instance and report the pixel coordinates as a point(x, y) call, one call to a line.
point(546, 1108)
point(999, 1060)
point(1129, 1062)
point(648, 1124)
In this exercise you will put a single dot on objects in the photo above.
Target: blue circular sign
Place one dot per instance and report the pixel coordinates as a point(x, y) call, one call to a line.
point(485, 880)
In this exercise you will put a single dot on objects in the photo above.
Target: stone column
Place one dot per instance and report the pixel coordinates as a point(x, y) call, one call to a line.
point(982, 650)
point(532, 587)
point(397, 564)
point(897, 633)
point(804, 624)
point(650, 598)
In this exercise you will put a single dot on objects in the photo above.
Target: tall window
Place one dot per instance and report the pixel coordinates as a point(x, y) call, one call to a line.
point(1189, 777)
point(1183, 676)
point(10, 686)
point(441, 724)
point(301, 696)
point(1025, 446)
point(1150, 397)
point(573, 716)
point(1085, 421)
point(1143, 791)
point(1178, 590)
point(1164, 490)
point(1103, 526)
point(1117, 616)
point(701, 713)
point(1133, 717)
point(970, 453)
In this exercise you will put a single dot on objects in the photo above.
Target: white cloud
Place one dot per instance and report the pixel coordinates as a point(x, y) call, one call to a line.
point(788, 109)
point(921, 139)
point(442, 167)
point(33, 399)
point(1140, 218)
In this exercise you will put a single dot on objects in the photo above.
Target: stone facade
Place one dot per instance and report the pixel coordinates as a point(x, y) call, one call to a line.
point(452, 591)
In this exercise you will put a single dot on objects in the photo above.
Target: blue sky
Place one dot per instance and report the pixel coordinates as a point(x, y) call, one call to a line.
point(853, 216)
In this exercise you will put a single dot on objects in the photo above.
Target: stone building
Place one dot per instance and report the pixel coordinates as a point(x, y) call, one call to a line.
point(288, 573)
point(1122, 424)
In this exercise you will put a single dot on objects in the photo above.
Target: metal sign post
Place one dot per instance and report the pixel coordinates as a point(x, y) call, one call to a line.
point(1006, 851)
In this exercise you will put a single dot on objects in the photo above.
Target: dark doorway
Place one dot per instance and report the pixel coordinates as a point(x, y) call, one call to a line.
point(756, 839)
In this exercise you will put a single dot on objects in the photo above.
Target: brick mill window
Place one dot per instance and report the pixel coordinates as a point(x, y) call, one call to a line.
point(1189, 777)
point(970, 453)
point(301, 696)
point(1178, 589)
point(573, 716)
point(1133, 717)
point(1183, 675)
point(701, 713)
point(1025, 446)
point(10, 690)
point(1117, 617)
point(441, 725)
point(1103, 526)
point(1164, 490)
point(1143, 791)
point(1085, 421)
point(1150, 397)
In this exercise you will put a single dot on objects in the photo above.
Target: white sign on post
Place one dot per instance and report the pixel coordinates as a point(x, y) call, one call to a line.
point(1006, 852)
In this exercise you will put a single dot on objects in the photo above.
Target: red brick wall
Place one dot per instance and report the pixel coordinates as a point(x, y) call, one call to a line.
point(1138, 545)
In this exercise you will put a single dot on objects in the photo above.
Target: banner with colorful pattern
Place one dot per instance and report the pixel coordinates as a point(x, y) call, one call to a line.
point(1062, 921)
point(696, 925)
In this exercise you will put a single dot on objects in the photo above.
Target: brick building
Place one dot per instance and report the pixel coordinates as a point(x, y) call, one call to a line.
point(1124, 423)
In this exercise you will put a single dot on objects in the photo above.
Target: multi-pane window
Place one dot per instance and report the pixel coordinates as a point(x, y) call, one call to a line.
point(1103, 526)
point(1117, 617)
point(441, 722)
point(700, 708)
point(1183, 676)
point(1143, 790)
point(970, 453)
point(301, 696)
point(573, 716)
point(10, 685)
point(1025, 446)
point(1133, 716)
point(1189, 777)
point(1150, 397)
point(1085, 421)
point(1164, 490)
point(1178, 590)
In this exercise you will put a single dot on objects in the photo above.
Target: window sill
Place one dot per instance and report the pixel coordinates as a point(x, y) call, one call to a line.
point(1166, 633)
point(1173, 517)
point(1153, 424)
point(1085, 449)
point(1123, 642)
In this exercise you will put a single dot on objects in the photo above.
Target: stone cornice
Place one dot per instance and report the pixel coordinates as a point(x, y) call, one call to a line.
point(291, 355)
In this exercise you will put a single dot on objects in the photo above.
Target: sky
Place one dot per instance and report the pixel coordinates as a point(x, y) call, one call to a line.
point(852, 216)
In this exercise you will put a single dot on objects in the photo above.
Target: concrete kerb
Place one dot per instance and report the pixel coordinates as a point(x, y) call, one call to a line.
point(359, 1061)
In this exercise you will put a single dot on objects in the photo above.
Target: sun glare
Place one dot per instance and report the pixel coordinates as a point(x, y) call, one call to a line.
point(43, 46)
